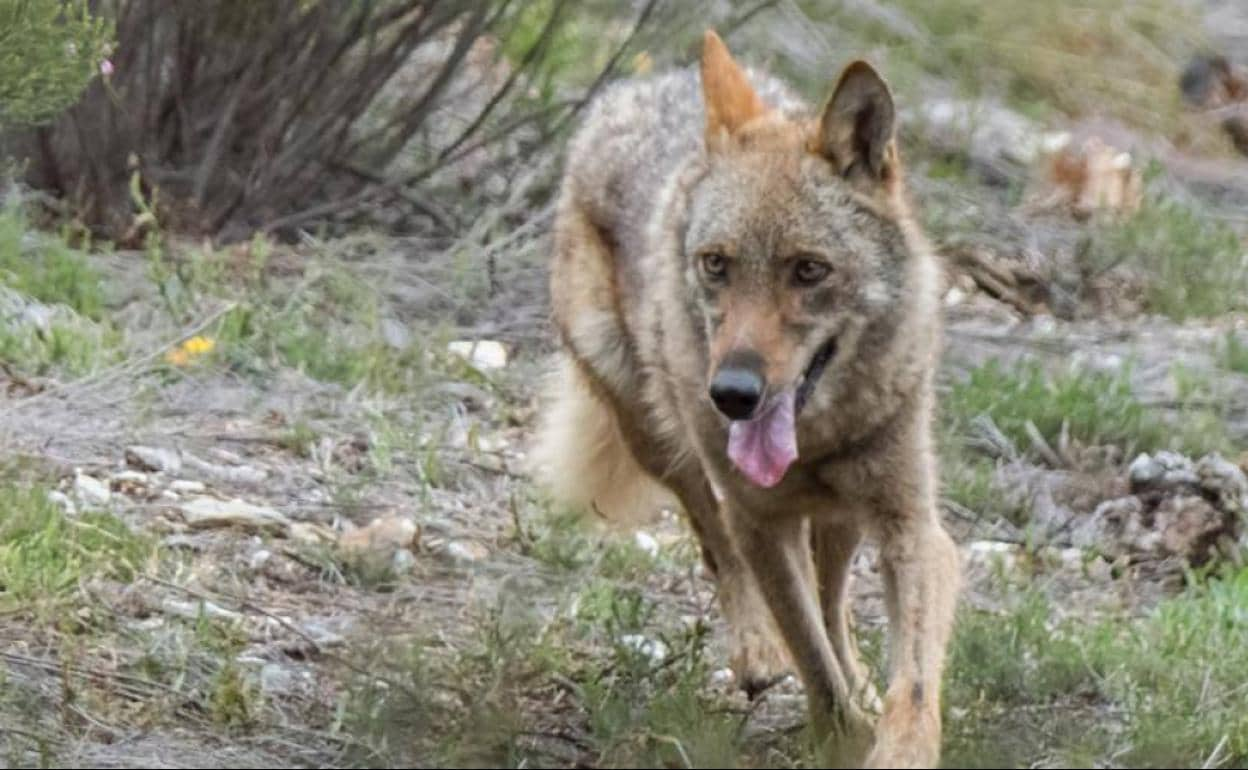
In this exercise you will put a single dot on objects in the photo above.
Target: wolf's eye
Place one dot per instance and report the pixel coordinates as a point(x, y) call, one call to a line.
point(808, 272)
point(715, 265)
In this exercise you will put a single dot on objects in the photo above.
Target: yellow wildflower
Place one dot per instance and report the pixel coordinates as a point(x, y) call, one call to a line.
point(188, 351)
point(199, 345)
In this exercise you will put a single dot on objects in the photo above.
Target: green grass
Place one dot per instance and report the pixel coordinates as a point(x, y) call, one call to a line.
point(1193, 263)
point(45, 555)
point(969, 480)
point(328, 326)
point(75, 340)
point(1100, 56)
point(71, 347)
point(1096, 408)
point(46, 268)
point(1233, 354)
point(1162, 690)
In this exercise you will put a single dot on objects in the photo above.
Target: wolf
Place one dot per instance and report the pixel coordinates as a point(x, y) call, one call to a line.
point(749, 321)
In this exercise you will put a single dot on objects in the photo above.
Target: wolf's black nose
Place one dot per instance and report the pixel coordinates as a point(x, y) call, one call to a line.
point(737, 390)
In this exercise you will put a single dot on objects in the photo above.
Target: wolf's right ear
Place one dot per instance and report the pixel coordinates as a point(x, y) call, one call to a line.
point(856, 130)
point(726, 91)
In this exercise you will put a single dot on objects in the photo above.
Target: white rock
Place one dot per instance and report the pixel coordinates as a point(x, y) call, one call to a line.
point(276, 679)
point(465, 551)
point(233, 474)
point(646, 542)
point(192, 610)
point(187, 486)
point(483, 354)
point(654, 649)
point(311, 534)
point(209, 512)
point(61, 500)
point(403, 561)
point(260, 558)
point(987, 552)
point(154, 458)
point(132, 477)
point(91, 491)
point(955, 296)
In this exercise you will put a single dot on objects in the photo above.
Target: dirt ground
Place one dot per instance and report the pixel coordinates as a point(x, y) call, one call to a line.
point(331, 554)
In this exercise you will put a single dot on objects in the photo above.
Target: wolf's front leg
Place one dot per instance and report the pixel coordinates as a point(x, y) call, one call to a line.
point(777, 552)
point(920, 567)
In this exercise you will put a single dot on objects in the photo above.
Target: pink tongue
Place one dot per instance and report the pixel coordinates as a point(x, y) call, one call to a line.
point(765, 447)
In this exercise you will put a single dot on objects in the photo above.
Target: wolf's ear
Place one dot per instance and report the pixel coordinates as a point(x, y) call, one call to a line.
point(729, 98)
point(856, 130)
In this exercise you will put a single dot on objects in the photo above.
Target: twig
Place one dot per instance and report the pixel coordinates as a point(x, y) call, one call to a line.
point(1214, 759)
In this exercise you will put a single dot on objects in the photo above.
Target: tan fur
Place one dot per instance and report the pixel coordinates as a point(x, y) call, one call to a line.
point(727, 163)
point(581, 457)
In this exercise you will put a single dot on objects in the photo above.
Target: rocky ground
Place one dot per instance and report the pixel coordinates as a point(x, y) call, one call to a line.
point(268, 505)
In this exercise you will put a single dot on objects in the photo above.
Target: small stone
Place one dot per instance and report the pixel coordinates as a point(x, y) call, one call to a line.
point(395, 333)
point(954, 297)
point(320, 631)
point(209, 512)
point(187, 486)
point(1163, 471)
point(1189, 527)
point(402, 561)
point(154, 459)
point(482, 354)
point(988, 552)
point(91, 491)
point(382, 534)
point(61, 500)
point(311, 534)
point(182, 540)
point(465, 551)
point(192, 610)
point(646, 542)
point(1144, 471)
point(258, 559)
point(231, 474)
point(654, 649)
point(1224, 482)
point(276, 679)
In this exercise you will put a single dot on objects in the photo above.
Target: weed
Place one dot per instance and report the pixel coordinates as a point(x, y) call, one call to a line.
point(45, 268)
point(1195, 264)
point(45, 555)
point(1233, 354)
point(1095, 407)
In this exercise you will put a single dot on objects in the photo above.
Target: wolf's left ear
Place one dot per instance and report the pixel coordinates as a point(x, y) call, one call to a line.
point(856, 130)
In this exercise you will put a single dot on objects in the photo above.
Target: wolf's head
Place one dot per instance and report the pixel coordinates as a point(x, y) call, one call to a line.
point(793, 246)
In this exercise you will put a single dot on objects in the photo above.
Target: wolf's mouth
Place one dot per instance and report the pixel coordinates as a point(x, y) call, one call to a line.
point(818, 362)
point(764, 446)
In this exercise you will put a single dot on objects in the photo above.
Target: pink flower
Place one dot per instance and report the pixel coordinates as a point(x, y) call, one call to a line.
point(106, 68)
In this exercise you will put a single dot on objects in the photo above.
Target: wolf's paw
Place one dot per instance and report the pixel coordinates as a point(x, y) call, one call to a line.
point(908, 733)
point(758, 660)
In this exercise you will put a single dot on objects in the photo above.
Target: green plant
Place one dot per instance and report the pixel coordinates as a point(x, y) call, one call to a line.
point(50, 51)
point(44, 554)
point(44, 267)
point(1193, 263)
